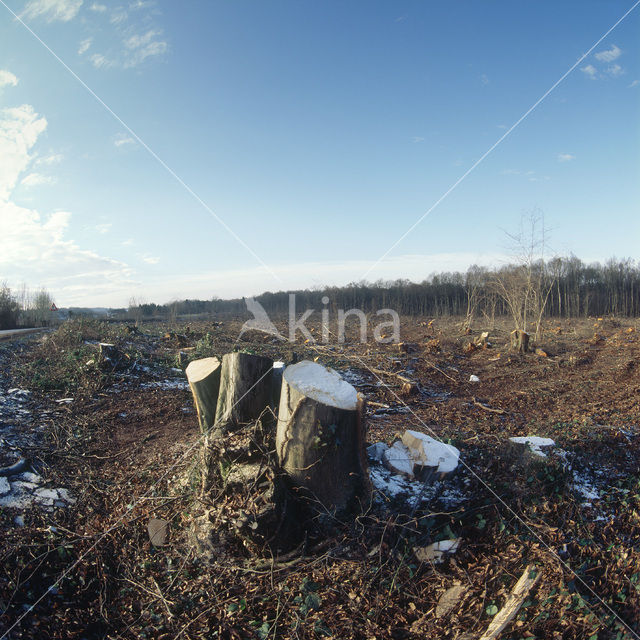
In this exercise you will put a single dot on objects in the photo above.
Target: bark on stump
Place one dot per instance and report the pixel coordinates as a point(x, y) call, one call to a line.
point(320, 437)
point(204, 380)
point(245, 390)
point(520, 341)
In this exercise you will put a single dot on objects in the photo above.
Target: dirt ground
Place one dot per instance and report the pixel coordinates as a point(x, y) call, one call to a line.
point(127, 447)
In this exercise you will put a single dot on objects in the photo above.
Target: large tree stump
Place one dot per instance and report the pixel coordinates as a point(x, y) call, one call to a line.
point(320, 437)
point(245, 390)
point(520, 341)
point(204, 380)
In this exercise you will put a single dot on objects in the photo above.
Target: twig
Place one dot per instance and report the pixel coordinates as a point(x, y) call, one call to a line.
point(486, 408)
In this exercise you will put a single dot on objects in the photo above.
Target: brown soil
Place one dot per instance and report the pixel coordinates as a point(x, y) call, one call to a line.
point(129, 453)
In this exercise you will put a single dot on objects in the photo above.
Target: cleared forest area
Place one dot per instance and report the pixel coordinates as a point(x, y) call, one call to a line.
point(547, 542)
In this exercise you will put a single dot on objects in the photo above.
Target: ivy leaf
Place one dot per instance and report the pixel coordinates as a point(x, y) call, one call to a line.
point(491, 610)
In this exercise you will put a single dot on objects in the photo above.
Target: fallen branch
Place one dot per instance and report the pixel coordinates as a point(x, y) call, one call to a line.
point(513, 603)
point(480, 405)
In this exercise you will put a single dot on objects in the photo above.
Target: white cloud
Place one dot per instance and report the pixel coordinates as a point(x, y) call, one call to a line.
point(635, 83)
point(484, 78)
point(98, 8)
point(609, 55)
point(615, 70)
point(7, 78)
point(122, 139)
point(142, 4)
point(37, 249)
point(19, 130)
point(83, 47)
point(590, 71)
point(128, 242)
point(105, 227)
point(36, 179)
point(150, 259)
point(99, 61)
point(52, 10)
point(143, 46)
point(565, 157)
point(118, 16)
point(418, 139)
point(54, 158)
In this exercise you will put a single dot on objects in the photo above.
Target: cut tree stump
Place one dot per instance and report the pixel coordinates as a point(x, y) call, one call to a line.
point(520, 341)
point(204, 380)
point(320, 437)
point(245, 390)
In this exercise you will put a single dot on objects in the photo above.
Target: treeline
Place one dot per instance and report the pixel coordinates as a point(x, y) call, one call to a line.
point(562, 287)
point(24, 308)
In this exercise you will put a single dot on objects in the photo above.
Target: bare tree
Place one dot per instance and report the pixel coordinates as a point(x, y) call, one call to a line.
point(526, 285)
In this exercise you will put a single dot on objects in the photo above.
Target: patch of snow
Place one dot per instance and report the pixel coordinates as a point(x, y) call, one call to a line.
point(23, 486)
point(430, 452)
point(587, 490)
point(16, 500)
point(322, 384)
point(474, 378)
point(65, 401)
point(166, 384)
point(19, 521)
point(535, 443)
point(66, 496)
point(278, 364)
point(28, 476)
point(47, 494)
point(5, 487)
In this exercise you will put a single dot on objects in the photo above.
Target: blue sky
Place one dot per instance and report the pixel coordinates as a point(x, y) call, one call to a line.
point(318, 132)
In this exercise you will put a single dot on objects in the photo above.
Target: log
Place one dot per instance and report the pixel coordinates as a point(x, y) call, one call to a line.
point(520, 341)
point(204, 380)
point(320, 438)
point(245, 390)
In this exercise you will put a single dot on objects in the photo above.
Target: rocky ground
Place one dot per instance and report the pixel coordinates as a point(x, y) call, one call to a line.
point(109, 446)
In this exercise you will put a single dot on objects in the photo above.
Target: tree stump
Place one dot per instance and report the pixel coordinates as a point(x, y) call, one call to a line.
point(245, 390)
point(320, 437)
point(204, 380)
point(520, 341)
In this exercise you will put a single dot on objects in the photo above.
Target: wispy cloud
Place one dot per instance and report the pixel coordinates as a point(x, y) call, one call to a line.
point(144, 45)
point(52, 10)
point(83, 47)
point(531, 176)
point(565, 157)
point(36, 179)
point(100, 61)
point(484, 78)
point(53, 158)
point(128, 242)
point(142, 4)
point(118, 16)
point(417, 139)
point(105, 227)
point(98, 8)
point(609, 55)
point(590, 71)
point(615, 70)
point(635, 83)
point(7, 79)
point(122, 139)
point(150, 259)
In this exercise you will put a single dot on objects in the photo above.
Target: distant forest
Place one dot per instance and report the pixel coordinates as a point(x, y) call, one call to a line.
point(561, 287)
